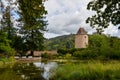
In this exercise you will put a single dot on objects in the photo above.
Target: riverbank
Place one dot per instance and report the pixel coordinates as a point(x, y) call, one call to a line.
point(67, 69)
point(91, 70)
point(7, 61)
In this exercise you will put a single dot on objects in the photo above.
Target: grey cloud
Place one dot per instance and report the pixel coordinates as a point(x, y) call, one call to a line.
point(65, 17)
point(72, 21)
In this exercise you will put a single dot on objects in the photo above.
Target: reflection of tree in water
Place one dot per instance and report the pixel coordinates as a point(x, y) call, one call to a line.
point(28, 71)
point(9, 74)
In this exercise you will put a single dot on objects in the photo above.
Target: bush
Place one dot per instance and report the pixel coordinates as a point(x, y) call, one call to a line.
point(65, 51)
point(45, 55)
point(68, 55)
point(48, 56)
point(5, 48)
point(100, 47)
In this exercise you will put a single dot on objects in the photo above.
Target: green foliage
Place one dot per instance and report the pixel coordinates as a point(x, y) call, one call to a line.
point(48, 56)
point(59, 42)
point(32, 15)
point(107, 12)
point(31, 25)
point(100, 47)
point(68, 56)
point(8, 74)
point(30, 72)
point(20, 46)
point(18, 43)
point(86, 54)
point(45, 55)
point(65, 51)
point(6, 22)
point(97, 40)
point(5, 48)
point(88, 71)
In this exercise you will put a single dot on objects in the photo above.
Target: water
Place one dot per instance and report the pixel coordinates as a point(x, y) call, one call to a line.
point(29, 71)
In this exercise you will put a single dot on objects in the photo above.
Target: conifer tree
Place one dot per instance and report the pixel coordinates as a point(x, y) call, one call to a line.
point(32, 15)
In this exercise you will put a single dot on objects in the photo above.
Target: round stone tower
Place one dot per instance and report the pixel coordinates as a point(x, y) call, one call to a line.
point(81, 39)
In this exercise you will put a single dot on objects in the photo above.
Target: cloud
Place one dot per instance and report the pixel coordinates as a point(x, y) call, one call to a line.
point(113, 31)
point(67, 16)
point(13, 10)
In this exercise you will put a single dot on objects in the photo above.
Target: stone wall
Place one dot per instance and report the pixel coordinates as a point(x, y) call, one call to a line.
point(81, 41)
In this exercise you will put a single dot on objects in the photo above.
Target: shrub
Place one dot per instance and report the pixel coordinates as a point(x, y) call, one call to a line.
point(45, 55)
point(68, 55)
point(5, 48)
point(100, 47)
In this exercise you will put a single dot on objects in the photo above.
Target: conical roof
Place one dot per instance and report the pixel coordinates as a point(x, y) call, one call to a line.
point(81, 31)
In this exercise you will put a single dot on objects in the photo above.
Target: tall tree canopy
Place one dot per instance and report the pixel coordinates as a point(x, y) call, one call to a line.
point(7, 18)
point(32, 15)
point(7, 30)
point(108, 11)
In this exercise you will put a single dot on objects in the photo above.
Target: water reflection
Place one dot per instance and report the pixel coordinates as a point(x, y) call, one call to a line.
point(49, 69)
point(28, 71)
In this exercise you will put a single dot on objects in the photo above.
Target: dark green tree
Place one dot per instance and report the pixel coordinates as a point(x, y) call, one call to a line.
point(108, 11)
point(19, 45)
point(32, 15)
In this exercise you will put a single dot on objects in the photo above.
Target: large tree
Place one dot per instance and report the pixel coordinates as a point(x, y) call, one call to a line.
point(6, 26)
point(7, 22)
point(32, 15)
point(107, 11)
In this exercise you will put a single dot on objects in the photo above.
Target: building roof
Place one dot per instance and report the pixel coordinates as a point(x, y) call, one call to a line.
point(81, 31)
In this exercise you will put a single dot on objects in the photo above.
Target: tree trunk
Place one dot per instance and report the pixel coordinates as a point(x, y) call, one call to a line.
point(32, 53)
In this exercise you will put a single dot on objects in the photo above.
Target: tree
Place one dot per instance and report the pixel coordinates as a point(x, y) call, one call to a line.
point(18, 45)
point(32, 15)
point(68, 45)
point(5, 47)
point(108, 11)
point(6, 27)
point(7, 19)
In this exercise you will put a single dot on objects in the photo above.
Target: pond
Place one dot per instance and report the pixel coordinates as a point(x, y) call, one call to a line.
point(62, 70)
point(28, 71)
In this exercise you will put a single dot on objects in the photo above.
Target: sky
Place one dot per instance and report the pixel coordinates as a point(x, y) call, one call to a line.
point(67, 16)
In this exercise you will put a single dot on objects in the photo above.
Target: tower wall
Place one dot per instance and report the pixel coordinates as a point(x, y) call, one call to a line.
point(81, 41)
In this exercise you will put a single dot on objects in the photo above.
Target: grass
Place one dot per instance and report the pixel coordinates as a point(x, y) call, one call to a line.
point(6, 61)
point(91, 70)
